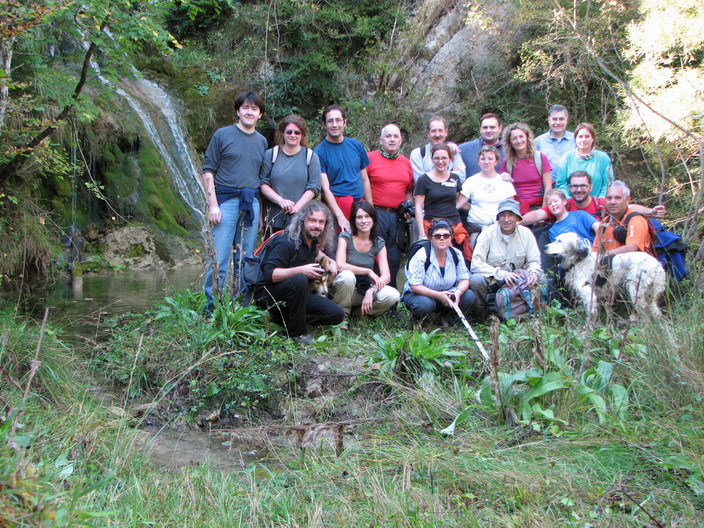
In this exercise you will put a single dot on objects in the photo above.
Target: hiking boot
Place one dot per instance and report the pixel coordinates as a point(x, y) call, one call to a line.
point(304, 339)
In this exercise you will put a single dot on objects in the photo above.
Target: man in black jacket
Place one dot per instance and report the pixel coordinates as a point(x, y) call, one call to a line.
point(286, 268)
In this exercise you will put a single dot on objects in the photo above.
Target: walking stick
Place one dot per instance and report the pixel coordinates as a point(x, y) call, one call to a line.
point(469, 329)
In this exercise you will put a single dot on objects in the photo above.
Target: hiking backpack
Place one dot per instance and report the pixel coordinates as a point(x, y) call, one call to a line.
point(252, 268)
point(669, 248)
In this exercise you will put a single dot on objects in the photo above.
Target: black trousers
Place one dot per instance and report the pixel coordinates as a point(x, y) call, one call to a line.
point(387, 226)
point(292, 306)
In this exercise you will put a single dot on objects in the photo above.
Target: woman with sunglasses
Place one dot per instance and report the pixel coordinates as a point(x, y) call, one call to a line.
point(290, 174)
point(436, 195)
point(437, 279)
point(357, 283)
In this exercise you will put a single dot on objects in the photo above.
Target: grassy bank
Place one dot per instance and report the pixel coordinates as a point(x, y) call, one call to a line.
point(573, 428)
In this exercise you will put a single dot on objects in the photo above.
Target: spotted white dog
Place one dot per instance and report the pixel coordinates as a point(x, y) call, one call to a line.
point(640, 275)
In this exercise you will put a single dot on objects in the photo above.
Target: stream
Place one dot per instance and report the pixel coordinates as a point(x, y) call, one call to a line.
point(79, 307)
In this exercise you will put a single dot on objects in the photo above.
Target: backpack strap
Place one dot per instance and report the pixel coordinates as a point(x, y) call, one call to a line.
point(274, 154)
point(453, 251)
point(422, 153)
point(309, 156)
point(538, 160)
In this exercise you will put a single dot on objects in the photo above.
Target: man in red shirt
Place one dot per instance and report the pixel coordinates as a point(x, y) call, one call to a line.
point(635, 234)
point(391, 181)
point(580, 184)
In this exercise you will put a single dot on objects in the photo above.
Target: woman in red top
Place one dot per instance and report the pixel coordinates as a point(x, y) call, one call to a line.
point(530, 170)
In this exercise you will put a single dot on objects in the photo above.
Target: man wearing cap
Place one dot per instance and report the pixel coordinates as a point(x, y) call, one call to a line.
point(502, 248)
point(391, 181)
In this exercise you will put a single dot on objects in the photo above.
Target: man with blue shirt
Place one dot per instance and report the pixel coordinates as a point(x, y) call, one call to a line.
point(557, 141)
point(490, 134)
point(343, 167)
point(231, 183)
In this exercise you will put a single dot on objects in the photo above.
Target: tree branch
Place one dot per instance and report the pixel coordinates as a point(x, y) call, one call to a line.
point(13, 166)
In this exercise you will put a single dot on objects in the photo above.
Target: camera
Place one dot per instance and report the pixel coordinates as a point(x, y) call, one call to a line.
point(407, 207)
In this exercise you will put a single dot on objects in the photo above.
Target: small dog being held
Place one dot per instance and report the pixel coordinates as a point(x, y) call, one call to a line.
point(321, 284)
point(639, 274)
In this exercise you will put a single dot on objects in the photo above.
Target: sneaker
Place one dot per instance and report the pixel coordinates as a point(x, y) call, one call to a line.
point(305, 339)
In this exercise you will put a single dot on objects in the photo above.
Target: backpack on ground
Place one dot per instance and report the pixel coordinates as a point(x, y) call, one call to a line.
point(425, 244)
point(252, 268)
point(513, 301)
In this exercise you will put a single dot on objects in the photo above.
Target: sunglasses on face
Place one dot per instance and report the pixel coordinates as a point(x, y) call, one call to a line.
point(441, 236)
point(292, 132)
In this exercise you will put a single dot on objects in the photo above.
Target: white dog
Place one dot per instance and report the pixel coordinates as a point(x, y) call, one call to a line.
point(639, 274)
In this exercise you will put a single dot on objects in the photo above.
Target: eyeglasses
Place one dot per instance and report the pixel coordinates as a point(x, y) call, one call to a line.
point(579, 186)
point(292, 132)
point(441, 236)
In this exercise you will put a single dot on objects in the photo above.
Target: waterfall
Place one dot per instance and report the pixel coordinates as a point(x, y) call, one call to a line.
point(166, 130)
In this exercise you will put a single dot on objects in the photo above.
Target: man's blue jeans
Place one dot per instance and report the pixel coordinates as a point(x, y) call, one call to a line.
point(231, 239)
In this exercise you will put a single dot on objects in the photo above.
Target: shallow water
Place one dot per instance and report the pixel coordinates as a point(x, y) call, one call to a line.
point(80, 307)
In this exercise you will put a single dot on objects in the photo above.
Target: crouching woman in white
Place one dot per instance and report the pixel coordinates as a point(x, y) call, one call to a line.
point(437, 278)
point(357, 284)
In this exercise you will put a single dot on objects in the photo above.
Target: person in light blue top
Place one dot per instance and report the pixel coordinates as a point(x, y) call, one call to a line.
point(432, 286)
point(557, 141)
point(579, 222)
point(586, 158)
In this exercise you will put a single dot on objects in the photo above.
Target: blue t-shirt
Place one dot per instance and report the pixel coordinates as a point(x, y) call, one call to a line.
point(579, 222)
point(342, 162)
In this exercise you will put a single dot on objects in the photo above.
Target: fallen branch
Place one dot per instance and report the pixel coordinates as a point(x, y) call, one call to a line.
point(308, 433)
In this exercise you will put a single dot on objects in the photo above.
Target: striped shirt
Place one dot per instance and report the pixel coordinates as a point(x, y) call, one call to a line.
point(432, 278)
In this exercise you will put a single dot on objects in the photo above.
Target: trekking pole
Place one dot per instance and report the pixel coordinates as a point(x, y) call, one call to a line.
point(469, 329)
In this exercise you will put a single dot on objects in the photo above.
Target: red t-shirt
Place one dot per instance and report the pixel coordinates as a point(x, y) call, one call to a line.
point(389, 179)
point(595, 208)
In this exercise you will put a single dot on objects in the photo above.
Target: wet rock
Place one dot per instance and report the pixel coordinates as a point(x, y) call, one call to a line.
point(132, 247)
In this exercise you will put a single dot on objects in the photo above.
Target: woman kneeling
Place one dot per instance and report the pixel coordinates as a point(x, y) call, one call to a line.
point(438, 279)
point(357, 284)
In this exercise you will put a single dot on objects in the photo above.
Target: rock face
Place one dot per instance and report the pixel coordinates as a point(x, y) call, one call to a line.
point(446, 39)
point(132, 247)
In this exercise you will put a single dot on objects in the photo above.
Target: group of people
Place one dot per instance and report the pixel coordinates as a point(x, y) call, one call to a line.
point(473, 203)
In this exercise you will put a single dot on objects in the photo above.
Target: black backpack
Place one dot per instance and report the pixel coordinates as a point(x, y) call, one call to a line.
point(425, 244)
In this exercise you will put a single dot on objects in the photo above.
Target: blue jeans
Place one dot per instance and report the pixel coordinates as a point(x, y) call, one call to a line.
point(229, 236)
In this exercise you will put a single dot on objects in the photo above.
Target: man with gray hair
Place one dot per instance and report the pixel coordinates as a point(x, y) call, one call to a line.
point(557, 141)
point(625, 230)
point(289, 262)
point(391, 180)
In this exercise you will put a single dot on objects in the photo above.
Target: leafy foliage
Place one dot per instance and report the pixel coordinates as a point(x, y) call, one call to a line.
point(408, 355)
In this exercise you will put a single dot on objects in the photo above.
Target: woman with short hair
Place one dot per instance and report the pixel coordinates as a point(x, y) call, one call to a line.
point(436, 195)
point(436, 279)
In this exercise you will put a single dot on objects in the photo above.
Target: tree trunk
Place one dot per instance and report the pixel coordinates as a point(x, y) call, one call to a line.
point(5, 64)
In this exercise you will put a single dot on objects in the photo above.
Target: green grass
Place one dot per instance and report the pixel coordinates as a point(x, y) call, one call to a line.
point(637, 470)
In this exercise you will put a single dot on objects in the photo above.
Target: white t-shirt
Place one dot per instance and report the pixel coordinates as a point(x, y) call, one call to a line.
point(485, 195)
